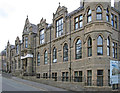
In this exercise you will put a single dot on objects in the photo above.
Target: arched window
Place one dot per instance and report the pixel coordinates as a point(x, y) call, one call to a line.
point(26, 42)
point(45, 57)
point(108, 46)
point(99, 13)
point(89, 47)
point(17, 49)
point(38, 59)
point(107, 15)
point(54, 55)
point(99, 45)
point(78, 49)
point(65, 52)
point(89, 15)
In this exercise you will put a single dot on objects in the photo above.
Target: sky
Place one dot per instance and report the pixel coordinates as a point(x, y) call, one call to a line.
point(13, 14)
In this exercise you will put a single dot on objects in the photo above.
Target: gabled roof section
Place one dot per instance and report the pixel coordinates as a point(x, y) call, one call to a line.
point(29, 27)
point(61, 10)
point(42, 23)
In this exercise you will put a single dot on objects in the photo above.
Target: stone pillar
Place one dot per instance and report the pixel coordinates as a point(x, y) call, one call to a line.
point(29, 66)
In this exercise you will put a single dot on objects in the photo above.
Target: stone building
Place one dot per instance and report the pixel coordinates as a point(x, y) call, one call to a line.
point(76, 46)
point(3, 64)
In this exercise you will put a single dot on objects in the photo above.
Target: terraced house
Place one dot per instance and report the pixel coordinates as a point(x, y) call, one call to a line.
point(76, 46)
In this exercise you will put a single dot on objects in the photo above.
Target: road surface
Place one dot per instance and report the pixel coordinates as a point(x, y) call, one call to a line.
point(17, 84)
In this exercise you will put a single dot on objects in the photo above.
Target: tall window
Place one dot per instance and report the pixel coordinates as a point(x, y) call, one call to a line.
point(108, 46)
point(54, 55)
point(78, 48)
point(54, 76)
point(114, 50)
point(65, 52)
point(19, 65)
point(112, 20)
point(64, 76)
point(45, 57)
point(59, 27)
point(99, 13)
point(42, 36)
point(78, 22)
point(116, 22)
point(89, 77)
point(23, 42)
point(17, 49)
point(89, 16)
point(100, 46)
point(38, 59)
point(107, 15)
point(26, 42)
point(99, 77)
point(89, 47)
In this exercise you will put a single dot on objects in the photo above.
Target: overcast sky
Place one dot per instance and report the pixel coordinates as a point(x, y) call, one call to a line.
point(14, 12)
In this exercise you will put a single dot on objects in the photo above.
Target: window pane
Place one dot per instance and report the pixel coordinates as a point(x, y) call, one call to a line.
point(107, 11)
point(99, 9)
point(100, 41)
point(89, 42)
point(45, 57)
point(99, 16)
point(116, 25)
point(54, 55)
point(76, 19)
point(81, 24)
point(65, 52)
point(107, 18)
point(26, 42)
point(76, 26)
point(108, 51)
point(100, 78)
point(112, 22)
point(38, 59)
point(81, 17)
point(89, 12)
point(108, 41)
point(100, 50)
point(100, 72)
point(89, 52)
point(89, 19)
point(78, 49)
point(89, 77)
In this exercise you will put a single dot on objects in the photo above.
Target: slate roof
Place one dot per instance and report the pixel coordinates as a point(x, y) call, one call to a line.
point(34, 28)
point(75, 11)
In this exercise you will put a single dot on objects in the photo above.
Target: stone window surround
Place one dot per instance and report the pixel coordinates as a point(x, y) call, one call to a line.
point(78, 22)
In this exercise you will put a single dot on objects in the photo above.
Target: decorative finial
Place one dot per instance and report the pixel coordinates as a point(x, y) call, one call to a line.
point(27, 16)
point(59, 3)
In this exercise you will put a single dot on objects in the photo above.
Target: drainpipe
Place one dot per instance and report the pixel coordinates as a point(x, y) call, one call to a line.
point(50, 55)
point(70, 46)
point(35, 55)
